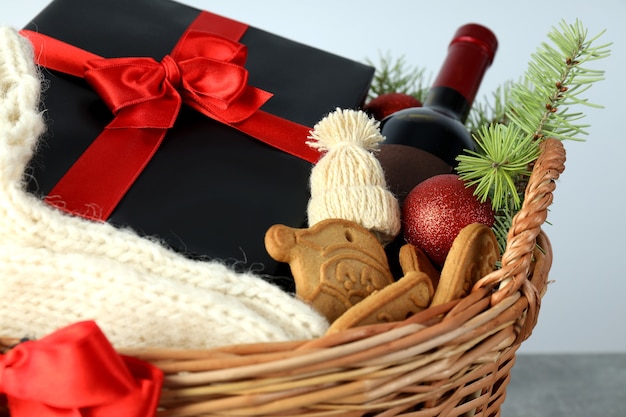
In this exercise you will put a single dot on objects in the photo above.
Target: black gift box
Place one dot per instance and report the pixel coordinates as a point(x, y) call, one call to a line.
point(210, 191)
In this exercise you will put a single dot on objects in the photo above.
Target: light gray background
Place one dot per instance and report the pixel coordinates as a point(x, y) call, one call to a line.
point(584, 309)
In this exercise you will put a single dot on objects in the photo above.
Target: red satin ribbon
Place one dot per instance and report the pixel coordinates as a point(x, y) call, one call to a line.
point(204, 71)
point(75, 372)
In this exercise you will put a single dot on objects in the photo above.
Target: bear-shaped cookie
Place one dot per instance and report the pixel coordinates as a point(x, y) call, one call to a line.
point(335, 263)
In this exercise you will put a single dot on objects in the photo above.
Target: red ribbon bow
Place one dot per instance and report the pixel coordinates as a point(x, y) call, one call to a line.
point(75, 372)
point(205, 71)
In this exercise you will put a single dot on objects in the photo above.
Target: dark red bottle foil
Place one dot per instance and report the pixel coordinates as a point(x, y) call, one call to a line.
point(470, 53)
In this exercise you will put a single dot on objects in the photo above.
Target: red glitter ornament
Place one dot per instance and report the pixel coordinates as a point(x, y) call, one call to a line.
point(437, 209)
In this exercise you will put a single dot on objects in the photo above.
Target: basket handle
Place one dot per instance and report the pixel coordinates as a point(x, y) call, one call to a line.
point(526, 225)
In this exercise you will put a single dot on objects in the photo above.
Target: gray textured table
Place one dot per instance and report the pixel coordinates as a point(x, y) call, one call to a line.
point(568, 385)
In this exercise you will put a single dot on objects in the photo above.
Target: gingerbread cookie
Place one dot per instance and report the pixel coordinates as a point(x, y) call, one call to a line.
point(335, 263)
point(413, 258)
point(409, 295)
point(473, 255)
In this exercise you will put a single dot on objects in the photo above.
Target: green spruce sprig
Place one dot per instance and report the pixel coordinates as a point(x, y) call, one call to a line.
point(504, 155)
point(490, 111)
point(394, 75)
point(556, 78)
point(537, 107)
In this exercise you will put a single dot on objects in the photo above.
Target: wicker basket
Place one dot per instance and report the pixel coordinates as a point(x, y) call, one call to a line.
point(451, 360)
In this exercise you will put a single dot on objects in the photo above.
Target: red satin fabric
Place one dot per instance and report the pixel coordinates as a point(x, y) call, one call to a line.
point(75, 372)
point(204, 71)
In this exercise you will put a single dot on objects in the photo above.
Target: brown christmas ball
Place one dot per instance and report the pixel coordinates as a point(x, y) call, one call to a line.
point(437, 209)
point(406, 166)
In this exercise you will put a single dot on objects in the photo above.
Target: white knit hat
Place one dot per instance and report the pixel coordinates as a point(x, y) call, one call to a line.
point(348, 182)
point(56, 269)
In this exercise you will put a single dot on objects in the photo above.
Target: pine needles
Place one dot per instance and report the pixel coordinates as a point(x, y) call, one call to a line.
point(503, 156)
point(537, 107)
point(394, 76)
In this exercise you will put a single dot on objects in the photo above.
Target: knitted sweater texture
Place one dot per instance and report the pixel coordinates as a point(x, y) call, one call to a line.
point(56, 269)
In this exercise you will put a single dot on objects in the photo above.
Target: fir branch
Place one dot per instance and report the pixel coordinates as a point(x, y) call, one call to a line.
point(503, 156)
point(395, 76)
point(491, 110)
point(555, 79)
point(539, 106)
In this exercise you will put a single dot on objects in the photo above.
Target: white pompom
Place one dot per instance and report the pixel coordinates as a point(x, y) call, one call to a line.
point(346, 127)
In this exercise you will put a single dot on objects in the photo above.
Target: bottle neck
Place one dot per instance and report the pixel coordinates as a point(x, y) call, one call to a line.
point(470, 54)
point(448, 101)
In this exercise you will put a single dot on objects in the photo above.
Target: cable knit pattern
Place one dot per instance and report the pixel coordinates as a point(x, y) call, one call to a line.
point(56, 269)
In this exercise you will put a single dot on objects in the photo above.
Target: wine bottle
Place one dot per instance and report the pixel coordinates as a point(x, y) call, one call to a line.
point(438, 127)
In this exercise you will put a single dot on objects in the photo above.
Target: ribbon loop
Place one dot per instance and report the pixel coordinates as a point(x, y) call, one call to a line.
point(220, 90)
point(136, 90)
point(77, 369)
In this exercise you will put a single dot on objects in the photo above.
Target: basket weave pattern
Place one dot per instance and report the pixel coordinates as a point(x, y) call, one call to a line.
point(450, 360)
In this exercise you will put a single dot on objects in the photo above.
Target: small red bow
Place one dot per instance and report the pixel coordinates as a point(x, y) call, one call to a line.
point(75, 372)
point(204, 71)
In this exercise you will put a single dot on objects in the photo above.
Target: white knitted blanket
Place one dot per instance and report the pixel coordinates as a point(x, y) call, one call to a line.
point(56, 269)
